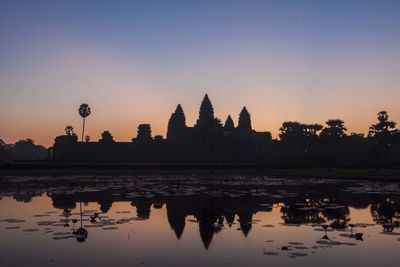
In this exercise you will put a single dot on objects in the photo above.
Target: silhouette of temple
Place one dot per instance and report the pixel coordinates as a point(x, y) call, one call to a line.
point(214, 214)
point(210, 141)
point(207, 141)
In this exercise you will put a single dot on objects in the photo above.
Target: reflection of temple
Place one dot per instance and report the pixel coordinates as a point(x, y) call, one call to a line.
point(211, 213)
point(207, 140)
point(306, 204)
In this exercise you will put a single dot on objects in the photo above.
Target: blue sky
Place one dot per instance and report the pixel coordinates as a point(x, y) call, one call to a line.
point(134, 61)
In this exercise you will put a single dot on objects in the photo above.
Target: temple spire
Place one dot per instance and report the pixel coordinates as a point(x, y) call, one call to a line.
point(229, 125)
point(206, 113)
point(177, 123)
point(244, 121)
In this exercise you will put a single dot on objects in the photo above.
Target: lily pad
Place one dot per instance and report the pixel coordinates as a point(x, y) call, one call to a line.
point(296, 243)
point(13, 221)
point(31, 230)
point(12, 227)
point(328, 242)
point(110, 228)
point(271, 253)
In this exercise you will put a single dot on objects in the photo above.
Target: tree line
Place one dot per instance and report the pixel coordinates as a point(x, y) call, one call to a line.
point(299, 144)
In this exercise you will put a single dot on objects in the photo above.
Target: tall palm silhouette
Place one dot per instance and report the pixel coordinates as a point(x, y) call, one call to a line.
point(84, 111)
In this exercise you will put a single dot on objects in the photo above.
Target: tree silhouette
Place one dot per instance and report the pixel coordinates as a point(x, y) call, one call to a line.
point(312, 130)
point(69, 130)
point(292, 132)
point(335, 130)
point(3, 153)
point(382, 135)
point(106, 137)
point(244, 121)
point(332, 135)
point(208, 140)
point(27, 150)
point(25, 143)
point(87, 138)
point(84, 111)
point(384, 131)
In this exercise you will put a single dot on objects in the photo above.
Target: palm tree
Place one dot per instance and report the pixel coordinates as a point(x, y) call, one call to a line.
point(84, 111)
point(69, 130)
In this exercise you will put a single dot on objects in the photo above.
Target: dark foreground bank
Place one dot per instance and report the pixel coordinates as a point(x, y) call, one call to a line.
point(53, 168)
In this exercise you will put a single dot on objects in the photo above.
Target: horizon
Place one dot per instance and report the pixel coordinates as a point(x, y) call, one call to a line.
point(77, 130)
point(135, 62)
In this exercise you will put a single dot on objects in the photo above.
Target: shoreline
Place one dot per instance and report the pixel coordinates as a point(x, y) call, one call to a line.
point(67, 169)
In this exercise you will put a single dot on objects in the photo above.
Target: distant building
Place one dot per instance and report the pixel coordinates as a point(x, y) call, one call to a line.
point(143, 134)
point(207, 140)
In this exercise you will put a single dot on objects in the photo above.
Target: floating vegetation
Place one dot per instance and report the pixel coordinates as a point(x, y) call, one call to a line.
point(389, 233)
point(61, 233)
point(110, 228)
point(265, 205)
point(297, 254)
point(349, 244)
point(138, 219)
point(107, 220)
point(94, 225)
point(31, 230)
point(310, 209)
point(46, 223)
point(270, 253)
point(124, 220)
point(323, 230)
point(296, 243)
point(215, 202)
point(290, 224)
point(335, 207)
point(300, 247)
point(13, 221)
point(363, 225)
point(328, 242)
point(58, 224)
point(268, 225)
point(347, 235)
point(62, 237)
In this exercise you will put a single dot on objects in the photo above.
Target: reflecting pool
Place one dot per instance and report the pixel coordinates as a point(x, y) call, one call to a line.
point(197, 221)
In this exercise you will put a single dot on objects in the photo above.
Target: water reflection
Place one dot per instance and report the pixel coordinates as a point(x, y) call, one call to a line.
point(215, 206)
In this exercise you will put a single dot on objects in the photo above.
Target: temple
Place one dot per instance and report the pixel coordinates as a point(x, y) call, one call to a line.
point(208, 140)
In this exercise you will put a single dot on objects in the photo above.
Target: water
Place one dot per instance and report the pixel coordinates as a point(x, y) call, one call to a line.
point(197, 221)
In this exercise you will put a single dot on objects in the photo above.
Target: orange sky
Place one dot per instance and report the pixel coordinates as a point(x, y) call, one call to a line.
point(299, 62)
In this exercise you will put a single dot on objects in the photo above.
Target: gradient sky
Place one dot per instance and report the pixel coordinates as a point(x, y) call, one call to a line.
point(134, 61)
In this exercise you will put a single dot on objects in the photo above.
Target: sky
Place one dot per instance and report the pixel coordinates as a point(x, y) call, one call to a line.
point(134, 61)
